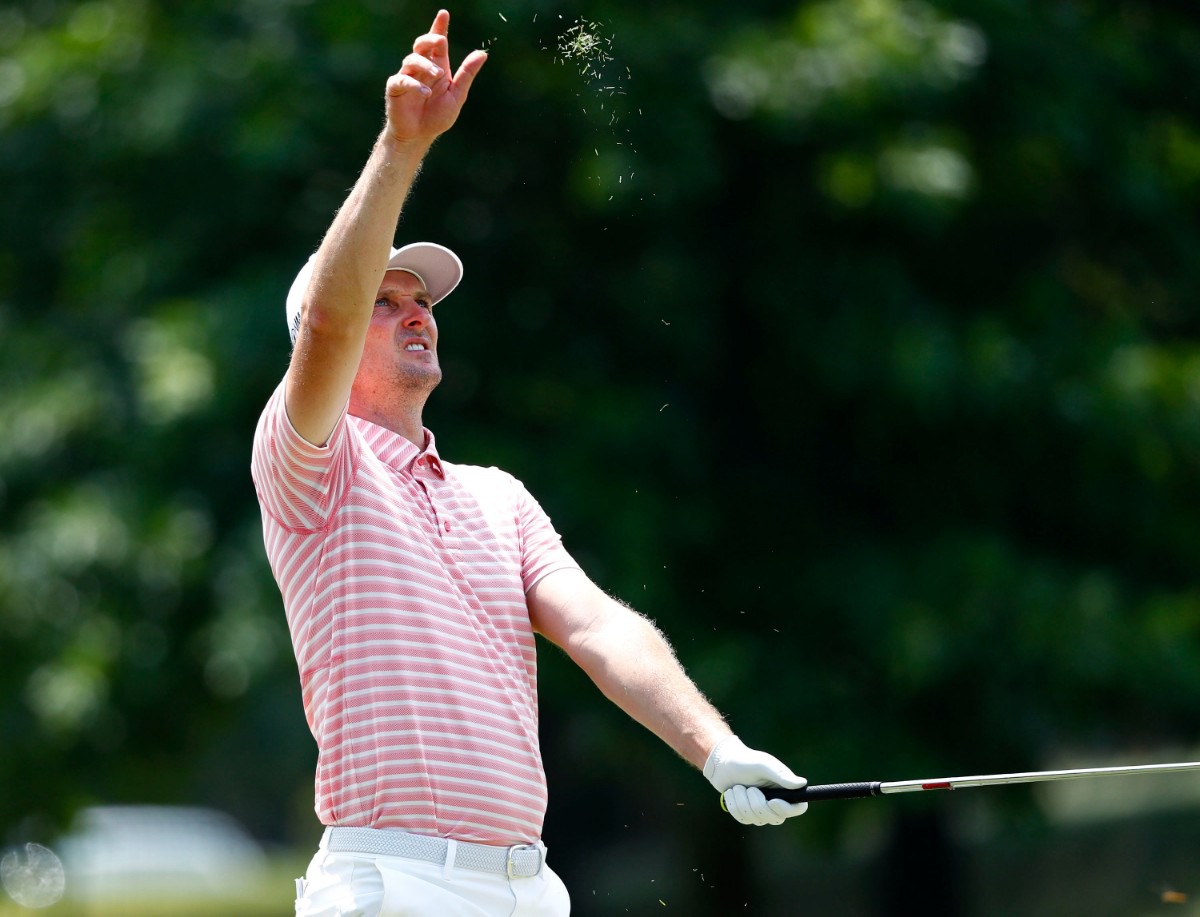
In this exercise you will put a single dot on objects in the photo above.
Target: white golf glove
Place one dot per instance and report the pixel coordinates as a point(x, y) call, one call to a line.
point(737, 772)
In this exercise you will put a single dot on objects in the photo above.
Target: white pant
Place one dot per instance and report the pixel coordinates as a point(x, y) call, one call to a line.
point(368, 885)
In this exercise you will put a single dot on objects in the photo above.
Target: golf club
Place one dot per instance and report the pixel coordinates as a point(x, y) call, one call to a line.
point(878, 788)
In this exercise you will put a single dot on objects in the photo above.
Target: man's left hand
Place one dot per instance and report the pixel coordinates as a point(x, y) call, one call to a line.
point(737, 772)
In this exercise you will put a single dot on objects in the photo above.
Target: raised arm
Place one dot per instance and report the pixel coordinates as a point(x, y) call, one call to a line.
point(422, 100)
point(632, 663)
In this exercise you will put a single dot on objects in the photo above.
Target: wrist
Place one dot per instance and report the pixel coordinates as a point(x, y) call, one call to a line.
point(728, 747)
point(410, 149)
point(699, 743)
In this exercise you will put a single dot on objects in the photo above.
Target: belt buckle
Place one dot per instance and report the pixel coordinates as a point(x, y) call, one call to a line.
point(510, 866)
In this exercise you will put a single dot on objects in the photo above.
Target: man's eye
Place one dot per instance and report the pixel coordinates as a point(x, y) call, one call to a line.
point(381, 302)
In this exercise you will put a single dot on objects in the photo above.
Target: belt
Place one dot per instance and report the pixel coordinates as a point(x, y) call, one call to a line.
point(518, 861)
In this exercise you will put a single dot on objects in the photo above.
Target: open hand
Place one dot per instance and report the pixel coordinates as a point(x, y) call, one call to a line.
point(423, 99)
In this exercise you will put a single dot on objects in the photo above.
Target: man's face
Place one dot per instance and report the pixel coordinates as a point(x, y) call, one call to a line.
point(400, 355)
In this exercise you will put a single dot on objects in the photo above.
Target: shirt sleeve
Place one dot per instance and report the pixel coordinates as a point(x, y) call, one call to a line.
point(542, 550)
point(299, 484)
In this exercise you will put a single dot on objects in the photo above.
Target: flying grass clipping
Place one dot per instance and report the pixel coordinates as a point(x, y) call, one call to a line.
point(585, 45)
point(588, 48)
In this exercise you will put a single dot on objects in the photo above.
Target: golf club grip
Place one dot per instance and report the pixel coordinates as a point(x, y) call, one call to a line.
point(824, 791)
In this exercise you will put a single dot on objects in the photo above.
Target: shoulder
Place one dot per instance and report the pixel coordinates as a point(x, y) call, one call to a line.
point(480, 475)
point(499, 495)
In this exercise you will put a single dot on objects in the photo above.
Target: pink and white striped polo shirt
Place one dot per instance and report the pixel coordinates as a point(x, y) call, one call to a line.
point(404, 580)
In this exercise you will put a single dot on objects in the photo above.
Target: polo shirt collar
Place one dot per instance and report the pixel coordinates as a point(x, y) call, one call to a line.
point(398, 453)
point(426, 461)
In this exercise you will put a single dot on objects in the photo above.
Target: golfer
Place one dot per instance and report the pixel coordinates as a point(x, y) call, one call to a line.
point(413, 586)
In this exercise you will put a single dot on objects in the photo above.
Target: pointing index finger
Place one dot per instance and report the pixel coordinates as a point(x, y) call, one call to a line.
point(435, 44)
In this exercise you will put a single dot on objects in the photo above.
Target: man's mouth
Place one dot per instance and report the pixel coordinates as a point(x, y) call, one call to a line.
point(416, 347)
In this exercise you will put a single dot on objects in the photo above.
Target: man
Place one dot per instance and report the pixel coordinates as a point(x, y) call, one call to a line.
point(413, 587)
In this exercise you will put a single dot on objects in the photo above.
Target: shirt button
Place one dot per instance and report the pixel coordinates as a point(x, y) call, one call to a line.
point(421, 461)
point(446, 526)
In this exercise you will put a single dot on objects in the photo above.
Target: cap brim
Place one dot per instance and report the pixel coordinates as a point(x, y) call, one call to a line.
point(435, 264)
point(438, 267)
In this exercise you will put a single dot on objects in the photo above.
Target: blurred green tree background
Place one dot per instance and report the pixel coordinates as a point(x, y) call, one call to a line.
point(854, 341)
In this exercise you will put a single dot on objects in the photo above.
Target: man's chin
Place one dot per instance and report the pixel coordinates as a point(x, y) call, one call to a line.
point(420, 377)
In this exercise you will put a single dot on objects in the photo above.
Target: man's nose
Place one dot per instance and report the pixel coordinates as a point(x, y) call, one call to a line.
point(415, 316)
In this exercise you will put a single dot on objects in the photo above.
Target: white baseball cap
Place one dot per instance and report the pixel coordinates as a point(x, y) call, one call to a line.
point(438, 268)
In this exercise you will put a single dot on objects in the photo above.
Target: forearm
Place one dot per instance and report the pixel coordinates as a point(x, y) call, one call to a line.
point(350, 262)
point(632, 663)
point(422, 101)
point(634, 666)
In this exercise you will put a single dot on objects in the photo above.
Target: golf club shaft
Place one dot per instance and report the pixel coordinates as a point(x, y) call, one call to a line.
point(878, 788)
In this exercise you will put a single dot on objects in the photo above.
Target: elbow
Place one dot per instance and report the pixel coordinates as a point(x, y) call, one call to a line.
point(617, 630)
point(321, 321)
